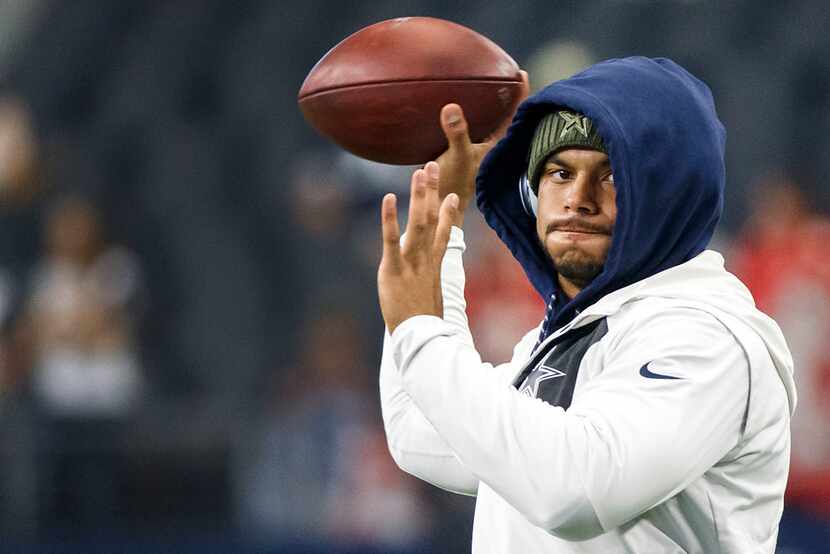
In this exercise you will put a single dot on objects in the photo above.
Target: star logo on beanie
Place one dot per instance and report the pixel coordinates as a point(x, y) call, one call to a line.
point(573, 121)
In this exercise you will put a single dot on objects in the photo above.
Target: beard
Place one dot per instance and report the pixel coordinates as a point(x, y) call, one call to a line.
point(577, 267)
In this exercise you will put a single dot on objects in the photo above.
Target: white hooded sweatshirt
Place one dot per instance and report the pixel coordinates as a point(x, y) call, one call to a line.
point(676, 437)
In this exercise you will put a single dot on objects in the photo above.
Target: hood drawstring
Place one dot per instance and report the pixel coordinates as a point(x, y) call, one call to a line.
point(545, 331)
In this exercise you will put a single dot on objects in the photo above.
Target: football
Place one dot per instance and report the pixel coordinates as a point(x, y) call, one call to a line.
point(380, 91)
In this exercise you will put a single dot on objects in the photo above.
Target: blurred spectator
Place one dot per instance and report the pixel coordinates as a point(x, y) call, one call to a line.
point(335, 201)
point(783, 257)
point(20, 182)
point(325, 248)
point(18, 151)
point(85, 369)
point(81, 314)
point(319, 469)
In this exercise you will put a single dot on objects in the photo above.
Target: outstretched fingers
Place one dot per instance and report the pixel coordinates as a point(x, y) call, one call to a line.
point(391, 231)
point(418, 228)
point(429, 221)
point(433, 201)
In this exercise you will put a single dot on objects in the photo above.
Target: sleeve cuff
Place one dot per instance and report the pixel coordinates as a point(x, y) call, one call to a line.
point(457, 239)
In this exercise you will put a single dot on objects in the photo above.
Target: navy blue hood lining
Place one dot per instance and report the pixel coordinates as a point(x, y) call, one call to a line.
point(666, 147)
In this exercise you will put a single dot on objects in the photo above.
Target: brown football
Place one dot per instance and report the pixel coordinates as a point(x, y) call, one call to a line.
point(379, 93)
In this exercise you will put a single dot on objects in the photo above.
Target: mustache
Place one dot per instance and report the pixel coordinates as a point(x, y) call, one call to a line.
point(576, 224)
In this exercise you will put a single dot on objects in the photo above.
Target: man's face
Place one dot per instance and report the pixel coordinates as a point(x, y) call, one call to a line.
point(576, 214)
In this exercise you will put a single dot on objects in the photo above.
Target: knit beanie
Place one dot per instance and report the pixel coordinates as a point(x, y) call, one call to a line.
point(559, 130)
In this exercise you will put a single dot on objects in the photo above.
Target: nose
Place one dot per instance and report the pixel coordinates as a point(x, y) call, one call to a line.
point(580, 196)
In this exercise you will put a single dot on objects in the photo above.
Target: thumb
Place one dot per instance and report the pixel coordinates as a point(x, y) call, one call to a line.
point(454, 125)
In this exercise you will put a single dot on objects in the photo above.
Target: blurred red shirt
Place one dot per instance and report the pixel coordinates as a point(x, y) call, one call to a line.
point(783, 256)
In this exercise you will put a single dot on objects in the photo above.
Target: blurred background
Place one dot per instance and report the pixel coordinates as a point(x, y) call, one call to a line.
point(189, 332)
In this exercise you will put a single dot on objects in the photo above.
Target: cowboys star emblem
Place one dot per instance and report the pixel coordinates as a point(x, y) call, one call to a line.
point(542, 373)
point(574, 121)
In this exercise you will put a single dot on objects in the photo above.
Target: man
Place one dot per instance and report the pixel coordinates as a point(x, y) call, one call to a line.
point(650, 411)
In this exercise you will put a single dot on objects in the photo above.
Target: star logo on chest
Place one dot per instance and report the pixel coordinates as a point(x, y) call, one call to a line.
point(574, 122)
point(541, 373)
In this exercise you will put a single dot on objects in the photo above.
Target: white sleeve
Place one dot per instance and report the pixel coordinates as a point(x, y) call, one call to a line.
point(627, 442)
point(413, 442)
point(453, 281)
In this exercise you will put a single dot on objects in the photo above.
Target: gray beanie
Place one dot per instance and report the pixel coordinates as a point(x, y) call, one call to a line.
point(559, 130)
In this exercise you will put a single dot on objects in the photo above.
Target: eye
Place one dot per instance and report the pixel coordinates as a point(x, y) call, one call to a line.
point(558, 174)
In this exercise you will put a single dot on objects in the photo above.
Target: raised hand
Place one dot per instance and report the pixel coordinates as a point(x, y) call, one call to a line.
point(460, 162)
point(409, 276)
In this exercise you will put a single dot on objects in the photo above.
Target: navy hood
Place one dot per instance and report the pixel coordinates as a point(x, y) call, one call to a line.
point(666, 147)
